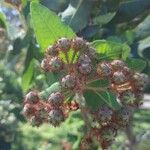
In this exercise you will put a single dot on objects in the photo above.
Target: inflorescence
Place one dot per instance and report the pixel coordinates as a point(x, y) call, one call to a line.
point(77, 71)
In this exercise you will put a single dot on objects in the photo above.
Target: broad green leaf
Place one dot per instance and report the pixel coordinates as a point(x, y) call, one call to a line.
point(110, 99)
point(93, 100)
point(104, 19)
point(96, 99)
point(136, 64)
point(48, 26)
point(55, 87)
point(112, 50)
point(27, 76)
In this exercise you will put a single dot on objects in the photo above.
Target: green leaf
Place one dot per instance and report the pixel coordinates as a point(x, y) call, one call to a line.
point(99, 83)
point(104, 19)
point(136, 64)
point(93, 100)
point(96, 99)
point(48, 26)
point(55, 87)
point(27, 76)
point(110, 99)
point(3, 22)
point(111, 49)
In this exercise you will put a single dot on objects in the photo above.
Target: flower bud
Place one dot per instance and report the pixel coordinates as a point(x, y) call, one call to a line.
point(69, 81)
point(55, 117)
point(56, 99)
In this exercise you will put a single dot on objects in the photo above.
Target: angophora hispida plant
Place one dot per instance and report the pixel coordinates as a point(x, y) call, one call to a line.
point(104, 90)
point(78, 72)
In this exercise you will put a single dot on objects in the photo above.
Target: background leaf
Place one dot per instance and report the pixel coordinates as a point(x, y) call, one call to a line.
point(136, 64)
point(111, 49)
point(48, 26)
point(77, 14)
point(27, 76)
point(104, 19)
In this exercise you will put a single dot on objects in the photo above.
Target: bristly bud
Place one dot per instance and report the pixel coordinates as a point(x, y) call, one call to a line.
point(104, 114)
point(28, 110)
point(56, 99)
point(122, 117)
point(139, 79)
point(36, 121)
point(107, 133)
point(117, 64)
point(91, 52)
point(119, 77)
point(64, 44)
point(104, 69)
point(32, 97)
point(84, 59)
point(56, 117)
point(127, 97)
point(78, 44)
point(52, 50)
point(86, 143)
point(55, 64)
point(69, 81)
point(85, 69)
point(45, 64)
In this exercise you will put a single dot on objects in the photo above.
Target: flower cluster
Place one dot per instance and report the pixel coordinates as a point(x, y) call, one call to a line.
point(76, 61)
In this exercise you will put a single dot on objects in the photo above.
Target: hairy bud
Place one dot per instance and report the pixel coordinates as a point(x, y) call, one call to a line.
point(119, 77)
point(104, 69)
point(32, 97)
point(64, 44)
point(69, 81)
point(117, 64)
point(56, 99)
point(55, 117)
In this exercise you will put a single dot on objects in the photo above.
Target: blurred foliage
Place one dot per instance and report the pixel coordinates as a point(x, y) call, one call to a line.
point(71, 131)
point(125, 23)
